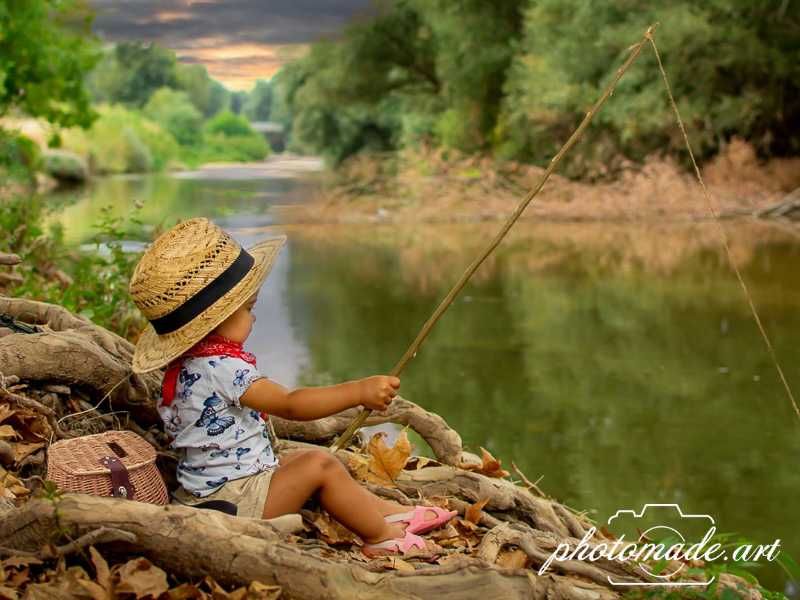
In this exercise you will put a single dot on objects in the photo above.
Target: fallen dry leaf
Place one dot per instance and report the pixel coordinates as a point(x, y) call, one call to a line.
point(5, 411)
point(7, 432)
point(255, 591)
point(394, 563)
point(447, 537)
point(102, 572)
point(7, 592)
point(473, 512)
point(330, 531)
point(186, 591)
point(20, 561)
point(490, 466)
point(440, 501)
point(94, 589)
point(359, 466)
point(512, 559)
point(420, 462)
point(141, 578)
point(10, 486)
point(23, 449)
point(386, 463)
point(259, 591)
point(18, 578)
point(64, 585)
point(30, 425)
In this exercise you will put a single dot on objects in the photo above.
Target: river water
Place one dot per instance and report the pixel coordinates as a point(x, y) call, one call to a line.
point(616, 364)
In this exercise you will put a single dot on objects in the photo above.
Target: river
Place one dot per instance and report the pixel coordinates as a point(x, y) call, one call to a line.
point(616, 364)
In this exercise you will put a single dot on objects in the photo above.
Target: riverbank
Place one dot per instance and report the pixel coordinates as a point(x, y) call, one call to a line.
point(427, 187)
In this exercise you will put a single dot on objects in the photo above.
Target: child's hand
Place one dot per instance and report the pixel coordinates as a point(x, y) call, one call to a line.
point(377, 392)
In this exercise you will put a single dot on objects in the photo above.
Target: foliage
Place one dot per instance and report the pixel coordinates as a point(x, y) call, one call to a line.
point(521, 81)
point(98, 277)
point(123, 141)
point(46, 49)
point(228, 124)
point(131, 72)
point(19, 157)
point(175, 113)
point(258, 105)
point(208, 96)
point(733, 68)
point(227, 137)
point(237, 148)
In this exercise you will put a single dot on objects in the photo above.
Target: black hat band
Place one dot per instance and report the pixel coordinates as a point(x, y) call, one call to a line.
point(212, 292)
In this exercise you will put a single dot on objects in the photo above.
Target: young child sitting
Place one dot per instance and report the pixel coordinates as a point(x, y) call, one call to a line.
point(197, 287)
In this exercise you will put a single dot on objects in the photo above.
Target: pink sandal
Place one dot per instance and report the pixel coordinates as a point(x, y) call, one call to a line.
point(417, 523)
point(394, 546)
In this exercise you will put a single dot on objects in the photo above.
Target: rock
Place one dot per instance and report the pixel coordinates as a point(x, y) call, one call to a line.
point(65, 166)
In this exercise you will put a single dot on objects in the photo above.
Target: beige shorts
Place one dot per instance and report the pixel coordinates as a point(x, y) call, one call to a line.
point(249, 494)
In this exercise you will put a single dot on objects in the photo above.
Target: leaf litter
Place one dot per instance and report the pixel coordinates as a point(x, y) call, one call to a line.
point(25, 432)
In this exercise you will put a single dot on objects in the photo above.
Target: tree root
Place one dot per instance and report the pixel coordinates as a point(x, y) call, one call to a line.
point(444, 441)
point(74, 351)
point(182, 538)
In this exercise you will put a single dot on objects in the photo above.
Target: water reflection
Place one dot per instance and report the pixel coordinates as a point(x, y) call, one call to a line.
point(165, 199)
point(619, 363)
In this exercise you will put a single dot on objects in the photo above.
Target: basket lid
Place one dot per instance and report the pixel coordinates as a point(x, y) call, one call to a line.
point(82, 455)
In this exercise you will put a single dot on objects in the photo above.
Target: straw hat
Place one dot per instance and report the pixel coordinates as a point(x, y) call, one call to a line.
point(192, 278)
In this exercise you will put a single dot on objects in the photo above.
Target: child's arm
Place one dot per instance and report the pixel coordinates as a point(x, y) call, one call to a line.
point(306, 404)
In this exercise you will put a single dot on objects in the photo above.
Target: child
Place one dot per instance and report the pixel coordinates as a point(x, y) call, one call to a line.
point(197, 287)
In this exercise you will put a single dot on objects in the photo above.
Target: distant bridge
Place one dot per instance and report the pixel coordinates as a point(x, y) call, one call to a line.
point(274, 132)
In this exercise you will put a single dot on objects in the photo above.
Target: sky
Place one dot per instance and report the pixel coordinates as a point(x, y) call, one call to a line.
point(238, 41)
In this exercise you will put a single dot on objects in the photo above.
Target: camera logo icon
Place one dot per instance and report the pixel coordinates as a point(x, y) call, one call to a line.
point(662, 578)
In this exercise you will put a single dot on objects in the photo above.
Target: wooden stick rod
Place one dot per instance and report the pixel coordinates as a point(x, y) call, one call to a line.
point(343, 439)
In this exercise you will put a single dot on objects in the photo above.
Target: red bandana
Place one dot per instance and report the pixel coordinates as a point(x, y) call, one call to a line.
point(211, 345)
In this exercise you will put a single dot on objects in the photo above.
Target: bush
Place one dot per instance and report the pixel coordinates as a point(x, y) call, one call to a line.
point(122, 141)
point(19, 156)
point(229, 124)
point(100, 277)
point(239, 148)
point(174, 112)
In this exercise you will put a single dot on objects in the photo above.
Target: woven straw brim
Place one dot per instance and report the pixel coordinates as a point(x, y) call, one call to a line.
point(154, 351)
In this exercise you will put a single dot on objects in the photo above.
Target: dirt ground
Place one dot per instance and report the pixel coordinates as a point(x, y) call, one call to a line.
point(426, 188)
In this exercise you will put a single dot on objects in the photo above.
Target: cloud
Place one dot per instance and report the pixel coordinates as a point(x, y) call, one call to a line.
point(237, 40)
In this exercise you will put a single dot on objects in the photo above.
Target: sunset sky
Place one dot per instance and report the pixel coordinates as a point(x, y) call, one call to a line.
point(238, 41)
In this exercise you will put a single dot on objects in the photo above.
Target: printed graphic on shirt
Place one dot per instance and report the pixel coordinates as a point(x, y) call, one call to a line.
point(214, 424)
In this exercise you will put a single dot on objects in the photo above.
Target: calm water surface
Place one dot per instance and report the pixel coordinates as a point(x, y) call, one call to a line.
point(618, 363)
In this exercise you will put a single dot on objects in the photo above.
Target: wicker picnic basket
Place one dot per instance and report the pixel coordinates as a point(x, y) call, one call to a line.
point(112, 463)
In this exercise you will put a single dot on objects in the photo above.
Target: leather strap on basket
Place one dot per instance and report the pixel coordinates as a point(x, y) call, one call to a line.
point(121, 486)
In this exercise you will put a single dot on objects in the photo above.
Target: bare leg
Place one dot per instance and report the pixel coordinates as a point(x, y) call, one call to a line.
point(316, 471)
point(383, 506)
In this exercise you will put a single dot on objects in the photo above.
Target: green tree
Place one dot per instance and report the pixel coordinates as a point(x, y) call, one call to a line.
point(472, 68)
point(46, 49)
point(175, 112)
point(734, 67)
point(352, 95)
point(201, 89)
point(132, 71)
point(258, 105)
point(409, 75)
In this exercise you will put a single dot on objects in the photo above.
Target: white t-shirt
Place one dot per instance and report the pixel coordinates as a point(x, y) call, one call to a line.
point(218, 438)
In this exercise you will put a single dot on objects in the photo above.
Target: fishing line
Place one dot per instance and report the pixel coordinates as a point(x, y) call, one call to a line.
point(723, 234)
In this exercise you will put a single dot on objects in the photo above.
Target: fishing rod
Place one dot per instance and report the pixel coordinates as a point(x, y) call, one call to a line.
point(348, 433)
